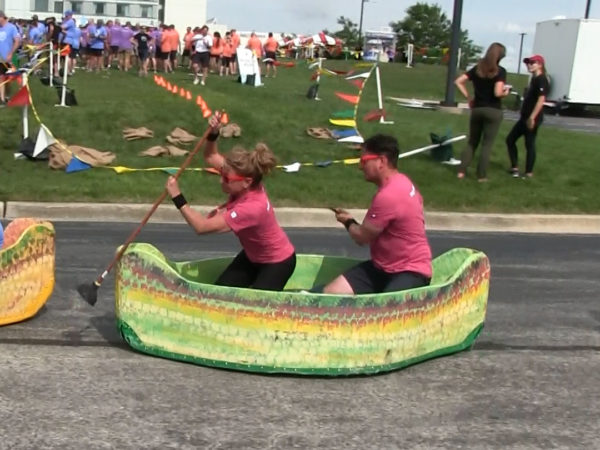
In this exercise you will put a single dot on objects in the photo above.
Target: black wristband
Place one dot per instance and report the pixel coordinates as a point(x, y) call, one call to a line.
point(212, 137)
point(349, 222)
point(179, 201)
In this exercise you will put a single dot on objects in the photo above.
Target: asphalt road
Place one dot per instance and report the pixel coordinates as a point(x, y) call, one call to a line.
point(531, 381)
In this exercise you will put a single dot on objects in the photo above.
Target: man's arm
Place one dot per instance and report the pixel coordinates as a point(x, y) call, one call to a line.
point(362, 234)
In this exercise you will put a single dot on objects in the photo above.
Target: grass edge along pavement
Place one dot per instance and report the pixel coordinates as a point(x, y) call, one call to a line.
point(279, 113)
point(310, 217)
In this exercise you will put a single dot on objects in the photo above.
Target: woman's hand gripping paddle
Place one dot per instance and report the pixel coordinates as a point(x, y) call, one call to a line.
point(89, 292)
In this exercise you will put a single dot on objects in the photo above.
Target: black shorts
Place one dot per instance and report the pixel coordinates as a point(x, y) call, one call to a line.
point(225, 60)
point(159, 54)
point(96, 51)
point(173, 55)
point(271, 55)
point(365, 278)
point(186, 52)
point(244, 273)
point(165, 55)
point(202, 59)
point(114, 49)
point(143, 54)
point(74, 53)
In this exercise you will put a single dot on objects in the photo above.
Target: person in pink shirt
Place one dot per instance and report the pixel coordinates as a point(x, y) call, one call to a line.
point(268, 258)
point(394, 228)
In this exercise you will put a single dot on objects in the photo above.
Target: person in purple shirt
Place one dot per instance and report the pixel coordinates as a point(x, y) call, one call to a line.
point(114, 36)
point(126, 47)
point(9, 43)
point(36, 32)
point(155, 48)
point(97, 35)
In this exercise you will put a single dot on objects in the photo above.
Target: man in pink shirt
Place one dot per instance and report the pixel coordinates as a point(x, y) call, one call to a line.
point(394, 228)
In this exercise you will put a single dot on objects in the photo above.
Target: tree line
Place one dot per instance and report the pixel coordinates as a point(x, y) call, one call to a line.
point(426, 27)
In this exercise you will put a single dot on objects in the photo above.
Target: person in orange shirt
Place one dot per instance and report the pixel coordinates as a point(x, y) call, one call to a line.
point(255, 45)
point(271, 47)
point(215, 51)
point(235, 43)
point(226, 57)
point(187, 47)
point(175, 46)
point(165, 48)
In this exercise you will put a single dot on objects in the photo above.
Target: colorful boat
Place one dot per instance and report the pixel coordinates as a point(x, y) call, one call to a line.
point(171, 309)
point(26, 269)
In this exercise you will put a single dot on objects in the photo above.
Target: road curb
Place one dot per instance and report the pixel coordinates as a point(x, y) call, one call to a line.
point(309, 217)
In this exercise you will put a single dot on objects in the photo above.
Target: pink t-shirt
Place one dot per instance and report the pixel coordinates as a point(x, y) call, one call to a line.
point(397, 208)
point(252, 219)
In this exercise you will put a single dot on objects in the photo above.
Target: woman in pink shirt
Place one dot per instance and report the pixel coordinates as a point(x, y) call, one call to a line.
point(268, 258)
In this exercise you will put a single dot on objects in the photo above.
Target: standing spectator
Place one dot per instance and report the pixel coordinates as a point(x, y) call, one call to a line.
point(175, 46)
point(142, 42)
point(165, 49)
point(393, 227)
point(187, 47)
point(532, 116)
point(202, 43)
point(255, 45)
point(75, 47)
point(488, 79)
point(235, 43)
point(35, 33)
point(216, 50)
point(155, 47)
point(271, 47)
point(71, 37)
point(126, 47)
point(114, 39)
point(97, 38)
point(9, 43)
point(226, 57)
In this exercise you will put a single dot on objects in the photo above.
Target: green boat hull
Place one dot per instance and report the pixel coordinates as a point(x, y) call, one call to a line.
point(173, 310)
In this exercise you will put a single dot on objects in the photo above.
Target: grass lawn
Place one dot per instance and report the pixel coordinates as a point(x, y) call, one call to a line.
point(566, 178)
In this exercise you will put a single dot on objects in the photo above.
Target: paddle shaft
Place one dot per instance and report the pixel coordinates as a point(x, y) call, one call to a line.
point(155, 206)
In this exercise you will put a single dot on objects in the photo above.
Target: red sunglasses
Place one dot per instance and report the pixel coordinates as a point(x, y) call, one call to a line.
point(233, 177)
point(365, 158)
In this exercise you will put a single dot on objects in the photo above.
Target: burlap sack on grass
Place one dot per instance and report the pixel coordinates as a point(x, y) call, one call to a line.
point(60, 156)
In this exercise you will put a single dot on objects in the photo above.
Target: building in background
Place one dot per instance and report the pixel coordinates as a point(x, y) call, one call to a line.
point(181, 13)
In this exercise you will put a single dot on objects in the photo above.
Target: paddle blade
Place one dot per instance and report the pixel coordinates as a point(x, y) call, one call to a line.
point(89, 292)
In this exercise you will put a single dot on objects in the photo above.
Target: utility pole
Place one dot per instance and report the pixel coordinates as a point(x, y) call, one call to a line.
point(520, 54)
point(587, 9)
point(454, 44)
point(362, 7)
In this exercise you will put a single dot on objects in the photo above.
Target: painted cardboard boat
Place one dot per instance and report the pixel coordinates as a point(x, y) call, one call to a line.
point(26, 269)
point(171, 309)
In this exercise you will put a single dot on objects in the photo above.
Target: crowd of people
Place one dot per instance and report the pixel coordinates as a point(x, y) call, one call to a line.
point(96, 45)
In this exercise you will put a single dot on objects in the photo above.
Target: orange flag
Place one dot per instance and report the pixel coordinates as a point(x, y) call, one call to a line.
point(21, 98)
point(357, 82)
point(188, 95)
point(349, 98)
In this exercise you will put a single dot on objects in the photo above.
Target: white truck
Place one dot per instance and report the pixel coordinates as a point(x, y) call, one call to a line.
point(571, 49)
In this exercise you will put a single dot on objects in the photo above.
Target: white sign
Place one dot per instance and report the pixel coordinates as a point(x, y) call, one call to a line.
point(248, 66)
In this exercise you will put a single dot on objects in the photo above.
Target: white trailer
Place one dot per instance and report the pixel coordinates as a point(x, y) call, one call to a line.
point(570, 48)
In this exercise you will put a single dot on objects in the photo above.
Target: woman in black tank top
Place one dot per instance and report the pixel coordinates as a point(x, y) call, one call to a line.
point(488, 79)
